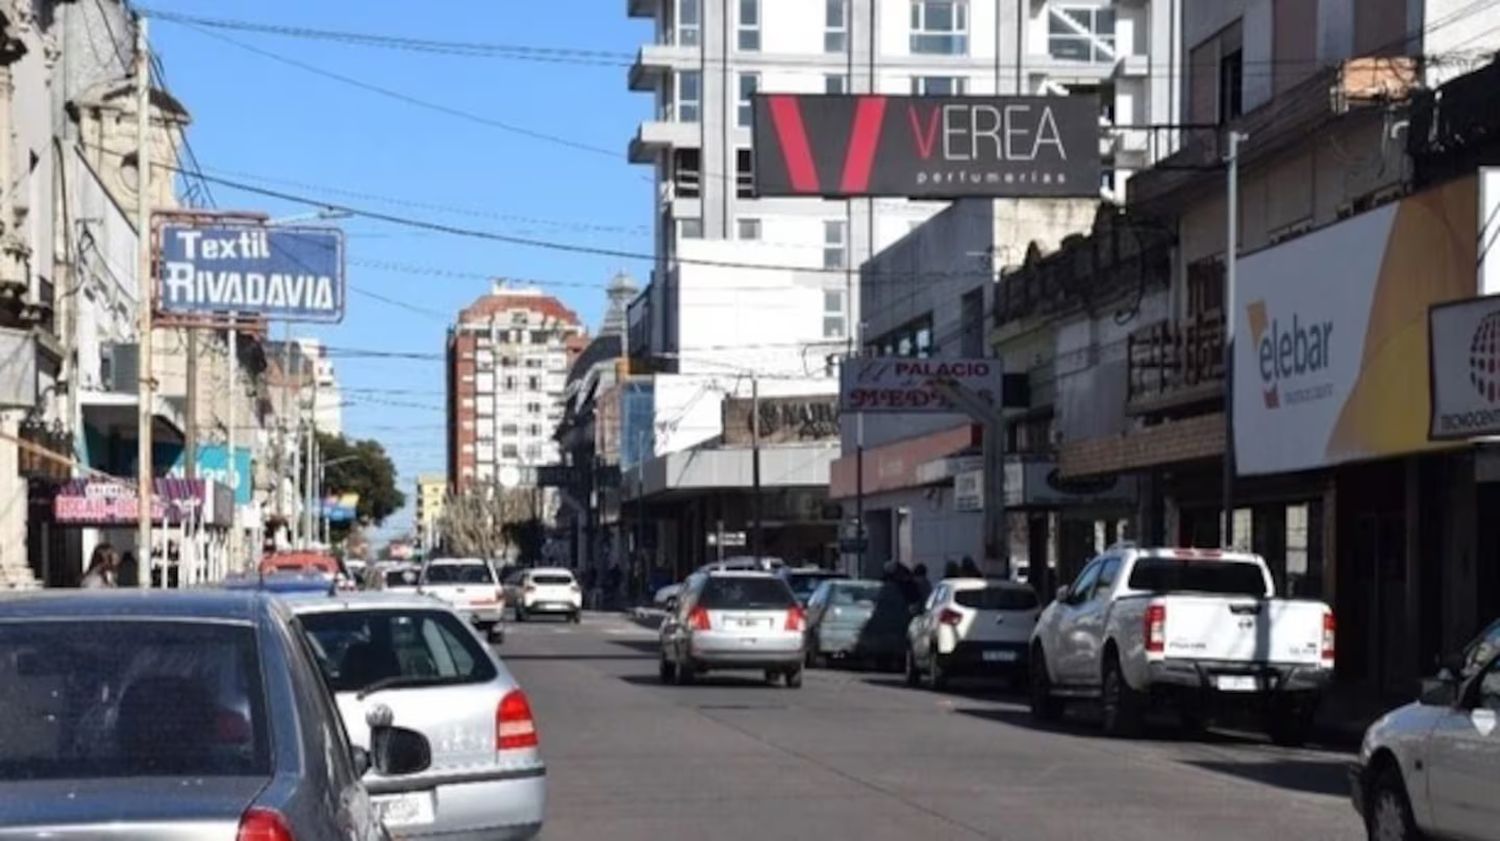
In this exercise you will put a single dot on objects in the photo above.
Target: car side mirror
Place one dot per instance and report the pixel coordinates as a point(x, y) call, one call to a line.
point(1062, 593)
point(1441, 691)
point(396, 751)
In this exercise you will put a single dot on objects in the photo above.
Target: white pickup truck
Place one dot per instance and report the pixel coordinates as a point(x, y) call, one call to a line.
point(1198, 629)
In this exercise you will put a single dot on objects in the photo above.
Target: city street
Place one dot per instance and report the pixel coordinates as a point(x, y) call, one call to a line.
point(859, 755)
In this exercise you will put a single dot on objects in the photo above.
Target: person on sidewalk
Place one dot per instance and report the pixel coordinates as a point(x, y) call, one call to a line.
point(102, 568)
point(921, 582)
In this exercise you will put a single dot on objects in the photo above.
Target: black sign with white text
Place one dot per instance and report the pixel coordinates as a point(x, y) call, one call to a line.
point(926, 146)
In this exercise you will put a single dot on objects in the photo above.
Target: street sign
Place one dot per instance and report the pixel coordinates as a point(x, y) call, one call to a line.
point(926, 146)
point(905, 385)
point(294, 274)
point(560, 476)
point(730, 539)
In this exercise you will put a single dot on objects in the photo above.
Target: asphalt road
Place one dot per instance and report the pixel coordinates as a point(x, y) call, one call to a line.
point(859, 755)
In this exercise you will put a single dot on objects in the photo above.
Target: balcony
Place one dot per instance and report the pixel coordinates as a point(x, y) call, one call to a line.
point(1174, 364)
point(654, 62)
point(654, 137)
point(642, 8)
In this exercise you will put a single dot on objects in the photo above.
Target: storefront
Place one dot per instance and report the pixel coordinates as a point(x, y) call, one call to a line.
point(190, 519)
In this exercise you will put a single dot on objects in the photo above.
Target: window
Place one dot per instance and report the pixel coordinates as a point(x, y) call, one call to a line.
point(509, 430)
point(833, 314)
point(507, 362)
point(690, 228)
point(835, 244)
point(836, 26)
point(418, 647)
point(744, 174)
point(689, 96)
point(1084, 33)
point(1108, 571)
point(749, 29)
point(1231, 86)
point(688, 23)
point(748, 229)
point(534, 430)
point(534, 383)
point(836, 83)
point(1083, 585)
point(1205, 288)
point(749, 82)
point(913, 339)
point(1230, 578)
point(939, 85)
point(510, 383)
point(509, 451)
point(997, 597)
point(533, 408)
point(745, 593)
point(940, 27)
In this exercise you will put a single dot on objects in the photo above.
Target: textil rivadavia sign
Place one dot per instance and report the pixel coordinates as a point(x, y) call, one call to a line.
point(294, 274)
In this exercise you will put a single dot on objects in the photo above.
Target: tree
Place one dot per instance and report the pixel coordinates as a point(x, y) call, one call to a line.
point(360, 466)
point(486, 521)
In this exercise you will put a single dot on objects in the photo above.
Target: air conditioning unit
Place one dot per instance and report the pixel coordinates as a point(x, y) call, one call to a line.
point(120, 367)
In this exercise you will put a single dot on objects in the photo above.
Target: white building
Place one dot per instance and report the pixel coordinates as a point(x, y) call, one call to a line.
point(708, 56)
point(508, 359)
point(327, 399)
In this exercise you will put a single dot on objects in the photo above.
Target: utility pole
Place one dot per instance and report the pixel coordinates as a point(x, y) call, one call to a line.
point(190, 447)
point(1231, 258)
point(234, 477)
point(757, 538)
point(145, 392)
point(859, 492)
point(308, 534)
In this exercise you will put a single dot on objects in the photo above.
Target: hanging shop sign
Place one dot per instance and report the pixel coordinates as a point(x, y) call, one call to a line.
point(1331, 348)
point(901, 385)
point(1464, 340)
point(288, 273)
point(1036, 482)
point(926, 146)
point(111, 502)
point(783, 420)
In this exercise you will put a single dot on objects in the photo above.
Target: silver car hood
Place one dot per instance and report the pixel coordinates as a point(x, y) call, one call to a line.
point(132, 808)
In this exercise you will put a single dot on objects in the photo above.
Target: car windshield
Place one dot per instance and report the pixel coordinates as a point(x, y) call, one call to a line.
point(1192, 575)
point(459, 574)
point(358, 648)
point(745, 593)
point(552, 579)
point(130, 699)
point(997, 597)
point(861, 595)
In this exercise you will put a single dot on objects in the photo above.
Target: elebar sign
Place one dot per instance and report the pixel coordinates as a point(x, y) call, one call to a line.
point(900, 385)
point(294, 274)
point(925, 146)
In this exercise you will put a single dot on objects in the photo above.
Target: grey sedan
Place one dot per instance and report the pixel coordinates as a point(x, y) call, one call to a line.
point(175, 715)
point(733, 621)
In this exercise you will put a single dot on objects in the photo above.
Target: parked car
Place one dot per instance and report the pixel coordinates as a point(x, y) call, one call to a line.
point(175, 716)
point(470, 587)
point(804, 580)
point(416, 658)
point(733, 621)
point(971, 627)
point(666, 597)
point(1199, 629)
point(1428, 769)
point(744, 563)
point(397, 577)
point(548, 590)
point(861, 620)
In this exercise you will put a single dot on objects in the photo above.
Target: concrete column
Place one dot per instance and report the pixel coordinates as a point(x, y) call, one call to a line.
point(720, 98)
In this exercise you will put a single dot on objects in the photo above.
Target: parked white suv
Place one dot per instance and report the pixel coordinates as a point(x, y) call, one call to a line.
point(548, 590)
point(1197, 628)
point(971, 626)
point(1429, 768)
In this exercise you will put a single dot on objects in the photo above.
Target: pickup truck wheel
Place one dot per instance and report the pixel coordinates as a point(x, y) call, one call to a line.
point(1388, 815)
point(1044, 706)
point(1122, 705)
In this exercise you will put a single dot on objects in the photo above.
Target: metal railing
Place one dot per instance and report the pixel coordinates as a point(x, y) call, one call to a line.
point(1170, 357)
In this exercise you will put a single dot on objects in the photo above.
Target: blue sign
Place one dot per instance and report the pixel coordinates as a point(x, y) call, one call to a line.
point(213, 463)
point(294, 274)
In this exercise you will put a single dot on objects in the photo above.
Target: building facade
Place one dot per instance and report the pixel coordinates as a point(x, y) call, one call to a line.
point(432, 493)
point(508, 359)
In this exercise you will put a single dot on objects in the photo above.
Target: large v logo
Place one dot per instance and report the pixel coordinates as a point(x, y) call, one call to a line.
point(796, 149)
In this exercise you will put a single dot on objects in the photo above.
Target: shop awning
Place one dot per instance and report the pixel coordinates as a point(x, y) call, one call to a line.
point(115, 413)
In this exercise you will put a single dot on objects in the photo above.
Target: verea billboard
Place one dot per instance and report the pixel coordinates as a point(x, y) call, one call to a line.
point(292, 274)
point(926, 146)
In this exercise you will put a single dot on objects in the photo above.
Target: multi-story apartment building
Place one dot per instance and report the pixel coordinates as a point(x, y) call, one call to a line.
point(328, 398)
point(432, 493)
point(708, 57)
point(508, 358)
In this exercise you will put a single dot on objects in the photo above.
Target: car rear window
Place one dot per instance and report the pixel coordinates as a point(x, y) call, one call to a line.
point(552, 579)
point(997, 598)
point(1193, 575)
point(100, 698)
point(359, 648)
point(459, 574)
point(745, 593)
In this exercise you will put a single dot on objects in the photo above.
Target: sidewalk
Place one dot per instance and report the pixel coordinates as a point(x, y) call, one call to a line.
point(1347, 712)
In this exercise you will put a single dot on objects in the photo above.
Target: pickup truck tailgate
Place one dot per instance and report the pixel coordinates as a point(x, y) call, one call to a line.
point(1244, 630)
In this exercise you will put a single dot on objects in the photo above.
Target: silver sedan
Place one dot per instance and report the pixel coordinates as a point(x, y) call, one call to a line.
point(413, 656)
point(733, 621)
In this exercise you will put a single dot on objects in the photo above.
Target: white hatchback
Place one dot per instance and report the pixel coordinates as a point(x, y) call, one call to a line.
point(971, 626)
point(413, 658)
point(547, 590)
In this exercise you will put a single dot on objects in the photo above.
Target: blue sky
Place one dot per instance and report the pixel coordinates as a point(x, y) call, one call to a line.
point(255, 116)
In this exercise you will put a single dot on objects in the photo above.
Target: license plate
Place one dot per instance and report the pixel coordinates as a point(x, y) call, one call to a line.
point(999, 657)
point(1237, 683)
point(412, 808)
point(749, 624)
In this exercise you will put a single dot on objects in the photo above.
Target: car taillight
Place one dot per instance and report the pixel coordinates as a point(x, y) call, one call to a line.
point(514, 726)
point(1329, 626)
point(949, 616)
point(698, 619)
point(1156, 628)
point(259, 824)
point(794, 618)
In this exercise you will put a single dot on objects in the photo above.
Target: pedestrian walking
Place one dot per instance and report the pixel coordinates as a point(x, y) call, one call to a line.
point(102, 567)
point(921, 582)
point(969, 569)
point(950, 569)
